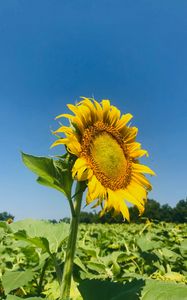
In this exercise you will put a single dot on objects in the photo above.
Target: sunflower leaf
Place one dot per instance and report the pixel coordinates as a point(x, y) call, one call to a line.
point(42, 234)
point(40, 242)
point(52, 173)
point(134, 290)
point(13, 279)
point(42, 166)
point(106, 290)
point(45, 182)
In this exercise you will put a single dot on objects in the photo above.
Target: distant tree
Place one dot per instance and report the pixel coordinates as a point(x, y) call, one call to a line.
point(86, 217)
point(5, 216)
point(134, 214)
point(53, 221)
point(166, 213)
point(65, 220)
point(180, 212)
point(152, 210)
point(89, 217)
point(111, 218)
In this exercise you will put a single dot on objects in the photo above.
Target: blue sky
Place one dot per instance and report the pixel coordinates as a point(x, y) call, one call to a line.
point(51, 52)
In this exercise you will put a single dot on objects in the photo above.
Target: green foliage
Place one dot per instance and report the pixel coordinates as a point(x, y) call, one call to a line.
point(28, 250)
point(50, 236)
point(11, 280)
point(106, 290)
point(52, 173)
point(113, 262)
point(136, 289)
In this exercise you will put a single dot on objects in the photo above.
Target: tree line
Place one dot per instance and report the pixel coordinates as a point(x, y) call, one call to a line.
point(153, 211)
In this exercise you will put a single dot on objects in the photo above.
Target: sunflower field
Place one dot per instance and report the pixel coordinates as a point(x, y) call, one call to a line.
point(96, 262)
point(112, 262)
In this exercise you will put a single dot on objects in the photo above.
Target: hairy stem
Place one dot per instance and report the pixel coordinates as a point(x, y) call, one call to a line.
point(70, 251)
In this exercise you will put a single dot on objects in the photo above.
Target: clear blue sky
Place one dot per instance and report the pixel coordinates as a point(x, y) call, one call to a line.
point(51, 52)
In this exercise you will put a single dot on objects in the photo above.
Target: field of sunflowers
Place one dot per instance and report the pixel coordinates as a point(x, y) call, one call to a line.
point(104, 262)
point(112, 262)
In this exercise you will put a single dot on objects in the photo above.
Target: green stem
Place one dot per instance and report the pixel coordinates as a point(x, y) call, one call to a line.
point(71, 206)
point(57, 268)
point(70, 251)
point(42, 276)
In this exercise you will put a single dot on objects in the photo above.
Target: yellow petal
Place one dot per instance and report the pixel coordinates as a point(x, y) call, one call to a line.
point(135, 150)
point(73, 108)
point(124, 210)
point(116, 201)
point(99, 110)
point(95, 189)
point(105, 104)
point(137, 199)
point(142, 169)
point(106, 107)
point(83, 174)
point(123, 121)
point(142, 180)
point(72, 144)
point(81, 170)
point(64, 129)
point(90, 105)
point(82, 112)
point(78, 124)
point(79, 163)
point(59, 142)
point(130, 134)
point(132, 199)
point(137, 191)
point(133, 147)
point(68, 116)
point(139, 153)
point(114, 115)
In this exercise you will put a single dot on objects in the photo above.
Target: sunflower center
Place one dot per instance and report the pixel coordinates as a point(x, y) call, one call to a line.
point(108, 156)
point(104, 149)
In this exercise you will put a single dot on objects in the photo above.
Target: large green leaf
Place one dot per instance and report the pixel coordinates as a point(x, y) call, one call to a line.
point(163, 290)
point(50, 184)
point(135, 290)
point(42, 166)
point(106, 290)
point(183, 247)
point(146, 243)
point(79, 263)
point(52, 173)
point(13, 280)
point(41, 232)
point(39, 242)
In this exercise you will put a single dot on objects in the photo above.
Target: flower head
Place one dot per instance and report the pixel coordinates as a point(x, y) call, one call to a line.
point(107, 155)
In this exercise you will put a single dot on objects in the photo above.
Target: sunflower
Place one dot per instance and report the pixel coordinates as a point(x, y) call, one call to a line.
point(106, 154)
